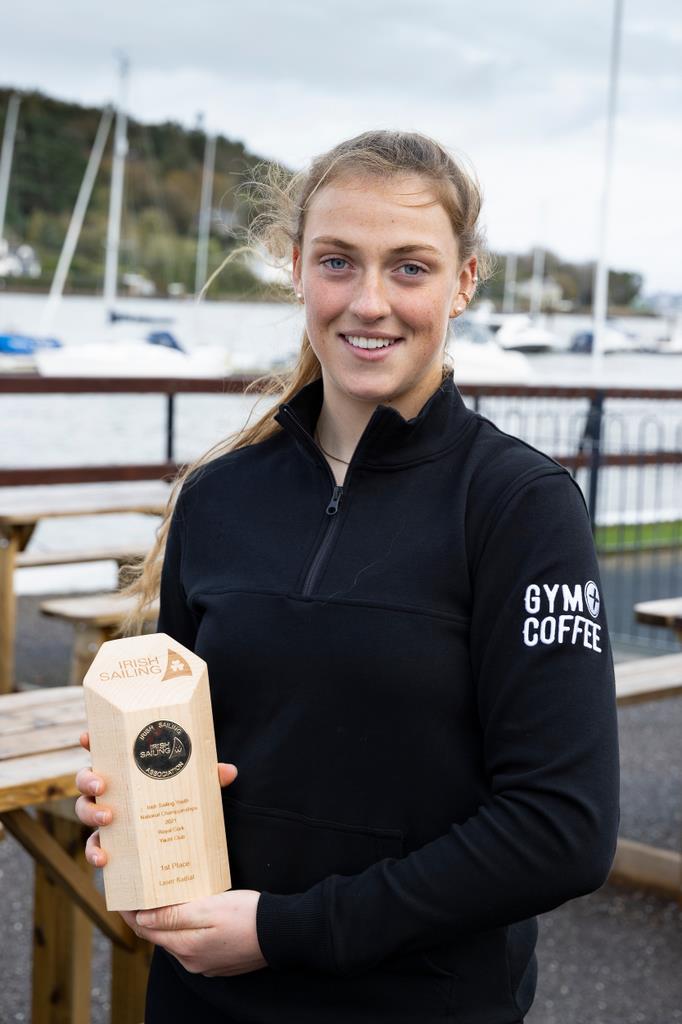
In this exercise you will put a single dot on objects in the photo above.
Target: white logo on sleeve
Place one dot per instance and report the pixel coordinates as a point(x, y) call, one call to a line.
point(554, 615)
point(592, 599)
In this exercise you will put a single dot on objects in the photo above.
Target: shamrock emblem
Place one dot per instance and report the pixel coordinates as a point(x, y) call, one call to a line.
point(176, 665)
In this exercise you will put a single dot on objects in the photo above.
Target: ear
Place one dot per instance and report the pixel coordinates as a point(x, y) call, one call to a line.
point(469, 275)
point(466, 284)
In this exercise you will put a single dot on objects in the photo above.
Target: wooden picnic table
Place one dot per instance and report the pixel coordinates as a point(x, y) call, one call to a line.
point(638, 863)
point(666, 612)
point(22, 508)
point(39, 758)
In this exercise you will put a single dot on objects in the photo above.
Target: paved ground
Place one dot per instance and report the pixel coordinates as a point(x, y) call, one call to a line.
point(610, 958)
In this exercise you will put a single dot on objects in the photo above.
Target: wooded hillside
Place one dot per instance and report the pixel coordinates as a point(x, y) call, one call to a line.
point(161, 204)
point(161, 208)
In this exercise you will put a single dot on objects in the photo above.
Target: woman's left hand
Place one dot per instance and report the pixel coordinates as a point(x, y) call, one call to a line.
point(214, 936)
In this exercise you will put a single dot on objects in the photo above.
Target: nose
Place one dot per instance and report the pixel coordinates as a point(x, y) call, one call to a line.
point(370, 301)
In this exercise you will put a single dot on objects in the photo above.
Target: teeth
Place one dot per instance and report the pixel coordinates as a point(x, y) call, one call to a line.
point(367, 342)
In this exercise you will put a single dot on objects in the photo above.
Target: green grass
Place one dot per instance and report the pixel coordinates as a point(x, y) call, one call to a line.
point(639, 536)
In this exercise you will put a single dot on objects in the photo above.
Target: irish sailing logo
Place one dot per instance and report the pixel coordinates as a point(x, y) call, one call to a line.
point(162, 750)
point(176, 666)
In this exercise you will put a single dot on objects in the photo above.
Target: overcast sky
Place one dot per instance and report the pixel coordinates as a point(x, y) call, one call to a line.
point(519, 87)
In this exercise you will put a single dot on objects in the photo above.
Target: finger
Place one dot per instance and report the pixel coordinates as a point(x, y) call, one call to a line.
point(177, 918)
point(84, 740)
point(227, 773)
point(92, 814)
point(94, 854)
point(89, 783)
point(129, 918)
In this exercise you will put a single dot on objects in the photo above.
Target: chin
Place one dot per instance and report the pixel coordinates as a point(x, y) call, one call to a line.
point(376, 391)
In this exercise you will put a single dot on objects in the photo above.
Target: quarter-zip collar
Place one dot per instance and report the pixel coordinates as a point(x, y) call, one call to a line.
point(388, 439)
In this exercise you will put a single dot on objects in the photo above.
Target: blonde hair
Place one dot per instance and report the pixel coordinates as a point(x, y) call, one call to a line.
point(280, 200)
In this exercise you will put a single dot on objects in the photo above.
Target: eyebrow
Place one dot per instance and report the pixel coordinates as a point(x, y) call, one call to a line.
point(400, 249)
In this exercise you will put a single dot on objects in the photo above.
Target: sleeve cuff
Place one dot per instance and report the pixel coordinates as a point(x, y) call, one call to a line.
point(292, 931)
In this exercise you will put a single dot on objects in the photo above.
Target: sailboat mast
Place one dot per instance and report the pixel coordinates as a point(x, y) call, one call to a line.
point(509, 283)
point(601, 275)
point(537, 282)
point(6, 156)
point(76, 222)
point(205, 214)
point(116, 193)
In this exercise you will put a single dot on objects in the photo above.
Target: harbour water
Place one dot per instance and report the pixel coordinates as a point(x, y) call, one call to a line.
point(60, 430)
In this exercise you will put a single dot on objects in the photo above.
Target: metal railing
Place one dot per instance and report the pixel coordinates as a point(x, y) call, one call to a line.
point(623, 445)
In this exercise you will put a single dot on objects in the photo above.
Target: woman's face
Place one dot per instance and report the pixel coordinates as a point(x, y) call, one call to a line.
point(376, 263)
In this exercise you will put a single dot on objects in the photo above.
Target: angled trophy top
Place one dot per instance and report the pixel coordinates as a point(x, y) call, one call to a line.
point(155, 659)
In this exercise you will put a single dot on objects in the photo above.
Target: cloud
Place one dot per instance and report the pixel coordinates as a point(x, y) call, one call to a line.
point(521, 88)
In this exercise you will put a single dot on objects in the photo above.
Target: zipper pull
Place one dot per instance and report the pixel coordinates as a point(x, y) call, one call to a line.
point(333, 506)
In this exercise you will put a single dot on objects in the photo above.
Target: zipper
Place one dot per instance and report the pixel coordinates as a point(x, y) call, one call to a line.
point(314, 571)
point(331, 511)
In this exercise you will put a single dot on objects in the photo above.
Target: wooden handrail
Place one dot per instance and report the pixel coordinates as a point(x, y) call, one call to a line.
point(31, 383)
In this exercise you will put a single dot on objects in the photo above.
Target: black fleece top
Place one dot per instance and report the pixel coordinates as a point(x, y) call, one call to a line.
point(412, 673)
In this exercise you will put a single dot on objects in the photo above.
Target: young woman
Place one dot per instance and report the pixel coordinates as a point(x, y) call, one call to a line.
point(399, 608)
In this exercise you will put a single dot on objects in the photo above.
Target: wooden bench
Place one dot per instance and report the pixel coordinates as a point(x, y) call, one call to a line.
point(639, 863)
point(96, 618)
point(649, 679)
point(22, 508)
point(34, 559)
point(39, 758)
point(666, 613)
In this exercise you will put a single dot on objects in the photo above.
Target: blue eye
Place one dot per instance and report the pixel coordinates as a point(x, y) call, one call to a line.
point(334, 259)
point(415, 266)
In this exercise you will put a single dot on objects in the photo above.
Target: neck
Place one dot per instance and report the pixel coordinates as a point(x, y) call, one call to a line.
point(343, 418)
point(340, 426)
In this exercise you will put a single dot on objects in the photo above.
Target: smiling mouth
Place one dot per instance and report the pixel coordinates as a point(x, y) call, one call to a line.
point(369, 343)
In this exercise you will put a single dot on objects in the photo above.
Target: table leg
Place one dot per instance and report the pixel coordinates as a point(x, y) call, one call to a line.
point(129, 972)
point(9, 545)
point(86, 643)
point(62, 937)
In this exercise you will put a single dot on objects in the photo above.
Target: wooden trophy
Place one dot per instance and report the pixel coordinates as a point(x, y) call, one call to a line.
point(151, 738)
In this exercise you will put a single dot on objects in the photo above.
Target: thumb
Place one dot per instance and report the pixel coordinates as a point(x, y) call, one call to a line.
point(227, 773)
point(172, 918)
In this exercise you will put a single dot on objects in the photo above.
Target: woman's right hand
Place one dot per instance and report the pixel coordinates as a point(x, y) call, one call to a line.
point(96, 815)
point(89, 812)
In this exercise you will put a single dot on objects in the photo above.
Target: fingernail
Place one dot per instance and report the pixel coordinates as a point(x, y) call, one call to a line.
point(95, 858)
point(95, 787)
point(145, 920)
point(102, 817)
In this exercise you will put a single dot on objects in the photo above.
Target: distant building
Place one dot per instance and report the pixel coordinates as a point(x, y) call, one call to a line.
point(19, 262)
point(552, 293)
point(139, 285)
point(664, 303)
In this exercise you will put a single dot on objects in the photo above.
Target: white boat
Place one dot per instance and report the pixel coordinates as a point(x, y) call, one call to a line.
point(671, 343)
point(478, 359)
point(473, 350)
point(17, 351)
point(519, 332)
point(614, 339)
point(133, 358)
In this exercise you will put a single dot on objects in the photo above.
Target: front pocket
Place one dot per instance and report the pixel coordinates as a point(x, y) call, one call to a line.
point(284, 852)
